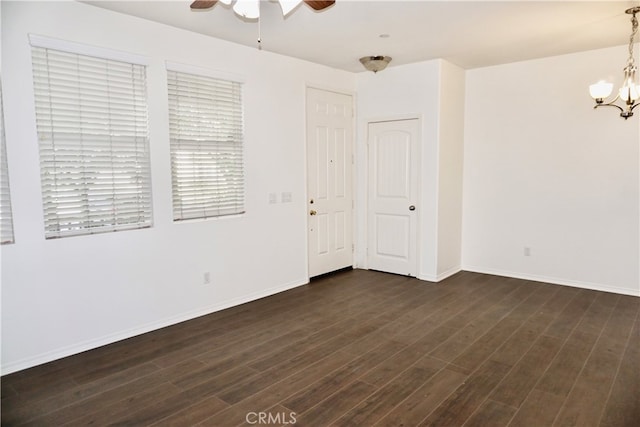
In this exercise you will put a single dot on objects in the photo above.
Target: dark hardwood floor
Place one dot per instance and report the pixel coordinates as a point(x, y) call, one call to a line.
point(361, 348)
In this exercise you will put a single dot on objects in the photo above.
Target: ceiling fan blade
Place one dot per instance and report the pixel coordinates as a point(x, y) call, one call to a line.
point(202, 4)
point(319, 4)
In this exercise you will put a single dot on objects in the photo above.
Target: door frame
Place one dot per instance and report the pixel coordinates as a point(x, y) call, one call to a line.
point(354, 142)
point(419, 204)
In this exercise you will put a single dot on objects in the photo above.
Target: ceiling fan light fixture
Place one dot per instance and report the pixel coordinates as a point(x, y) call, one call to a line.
point(249, 9)
point(288, 5)
point(375, 63)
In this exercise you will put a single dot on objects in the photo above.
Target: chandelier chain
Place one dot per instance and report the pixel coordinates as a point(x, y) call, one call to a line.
point(634, 31)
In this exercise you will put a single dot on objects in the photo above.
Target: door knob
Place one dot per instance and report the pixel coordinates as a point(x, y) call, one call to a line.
point(412, 208)
point(312, 212)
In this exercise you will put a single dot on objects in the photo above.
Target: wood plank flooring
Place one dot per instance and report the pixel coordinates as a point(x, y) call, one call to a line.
point(361, 348)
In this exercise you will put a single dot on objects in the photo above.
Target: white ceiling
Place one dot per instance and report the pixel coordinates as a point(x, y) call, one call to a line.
point(470, 34)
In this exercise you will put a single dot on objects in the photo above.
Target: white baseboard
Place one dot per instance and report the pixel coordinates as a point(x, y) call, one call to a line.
point(450, 272)
point(143, 329)
point(440, 277)
point(553, 280)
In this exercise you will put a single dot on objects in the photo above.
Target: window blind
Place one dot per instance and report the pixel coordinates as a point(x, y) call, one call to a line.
point(206, 140)
point(92, 127)
point(6, 219)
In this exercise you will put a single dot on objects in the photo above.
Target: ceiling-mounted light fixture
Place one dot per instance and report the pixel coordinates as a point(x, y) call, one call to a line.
point(630, 90)
point(250, 9)
point(375, 63)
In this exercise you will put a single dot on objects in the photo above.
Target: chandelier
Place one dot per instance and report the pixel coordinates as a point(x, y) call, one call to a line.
point(250, 9)
point(629, 93)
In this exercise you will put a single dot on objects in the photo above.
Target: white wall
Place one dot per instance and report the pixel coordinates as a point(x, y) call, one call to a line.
point(3, 122)
point(67, 295)
point(450, 159)
point(543, 170)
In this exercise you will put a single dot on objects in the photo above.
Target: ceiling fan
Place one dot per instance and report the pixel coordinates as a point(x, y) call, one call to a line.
point(251, 8)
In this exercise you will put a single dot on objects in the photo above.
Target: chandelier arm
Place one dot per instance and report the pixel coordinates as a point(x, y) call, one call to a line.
point(631, 109)
point(600, 102)
point(611, 104)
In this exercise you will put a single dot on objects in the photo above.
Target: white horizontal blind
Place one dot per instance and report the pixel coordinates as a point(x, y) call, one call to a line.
point(206, 127)
point(94, 147)
point(6, 219)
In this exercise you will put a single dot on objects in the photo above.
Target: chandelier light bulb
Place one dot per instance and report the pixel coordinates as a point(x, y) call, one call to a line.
point(601, 90)
point(629, 93)
point(629, 90)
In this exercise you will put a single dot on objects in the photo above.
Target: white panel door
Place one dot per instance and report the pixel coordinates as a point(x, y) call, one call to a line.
point(393, 196)
point(329, 186)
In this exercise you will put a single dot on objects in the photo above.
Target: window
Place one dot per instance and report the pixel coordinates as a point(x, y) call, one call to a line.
point(6, 219)
point(93, 136)
point(205, 118)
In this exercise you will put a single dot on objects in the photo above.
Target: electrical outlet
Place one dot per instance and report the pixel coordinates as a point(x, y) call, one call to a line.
point(206, 278)
point(286, 197)
point(527, 251)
